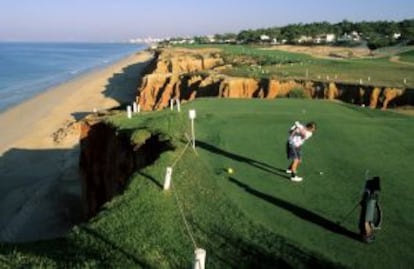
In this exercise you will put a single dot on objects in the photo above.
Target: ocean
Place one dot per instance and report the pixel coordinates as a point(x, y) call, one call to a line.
point(27, 69)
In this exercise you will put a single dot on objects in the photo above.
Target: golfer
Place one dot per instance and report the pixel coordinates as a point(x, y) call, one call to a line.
point(298, 134)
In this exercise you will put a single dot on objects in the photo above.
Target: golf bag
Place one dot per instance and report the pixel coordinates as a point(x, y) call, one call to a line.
point(371, 214)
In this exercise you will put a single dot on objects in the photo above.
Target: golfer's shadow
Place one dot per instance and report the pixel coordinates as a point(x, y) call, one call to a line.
point(298, 211)
point(258, 164)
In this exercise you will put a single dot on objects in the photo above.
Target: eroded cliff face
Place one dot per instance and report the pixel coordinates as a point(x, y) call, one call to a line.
point(187, 74)
point(108, 159)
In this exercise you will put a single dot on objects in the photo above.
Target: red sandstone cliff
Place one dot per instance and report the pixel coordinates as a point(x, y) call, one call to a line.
point(106, 162)
point(108, 158)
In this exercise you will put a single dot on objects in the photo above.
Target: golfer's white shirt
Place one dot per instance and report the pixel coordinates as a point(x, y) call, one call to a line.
point(299, 136)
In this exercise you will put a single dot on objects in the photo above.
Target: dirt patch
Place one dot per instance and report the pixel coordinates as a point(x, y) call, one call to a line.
point(406, 110)
point(326, 51)
point(396, 59)
point(68, 129)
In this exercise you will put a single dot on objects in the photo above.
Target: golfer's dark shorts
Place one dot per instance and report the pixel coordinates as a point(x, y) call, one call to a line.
point(292, 152)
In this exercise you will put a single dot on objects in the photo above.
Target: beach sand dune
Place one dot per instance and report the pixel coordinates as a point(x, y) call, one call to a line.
point(39, 147)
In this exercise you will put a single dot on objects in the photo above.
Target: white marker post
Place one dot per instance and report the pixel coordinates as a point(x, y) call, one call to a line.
point(171, 104)
point(192, 116)
point(167, 181)
point(138, 108)
point(134, 107)
point(200, 258)
point(129, 112)
point(178, 105)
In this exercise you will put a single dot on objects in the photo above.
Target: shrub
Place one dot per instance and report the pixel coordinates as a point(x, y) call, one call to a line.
point(298, 93)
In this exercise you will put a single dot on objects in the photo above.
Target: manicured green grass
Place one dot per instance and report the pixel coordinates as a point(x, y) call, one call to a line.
point(264, 57)
point(407, 56)
point(250, 137)
point(255, 217)
point(375, 72)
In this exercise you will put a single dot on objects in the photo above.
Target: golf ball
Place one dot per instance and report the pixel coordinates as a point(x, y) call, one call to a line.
point(230, 170)
point(320, 173)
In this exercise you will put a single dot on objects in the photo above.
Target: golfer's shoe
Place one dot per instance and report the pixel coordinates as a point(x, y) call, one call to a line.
point(296, 179)
point(288, 171)
point(369, 239)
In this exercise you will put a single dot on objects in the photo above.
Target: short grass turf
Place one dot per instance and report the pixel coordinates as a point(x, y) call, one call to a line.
point(250, 135)
point(254, 217)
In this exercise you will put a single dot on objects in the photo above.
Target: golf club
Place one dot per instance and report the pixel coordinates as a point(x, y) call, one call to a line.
point(356, 205)
point(348, 214)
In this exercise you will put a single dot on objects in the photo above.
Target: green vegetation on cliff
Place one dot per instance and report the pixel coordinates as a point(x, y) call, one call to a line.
point(407, 56)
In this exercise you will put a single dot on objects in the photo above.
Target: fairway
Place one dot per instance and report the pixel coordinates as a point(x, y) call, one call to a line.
point(249, 136)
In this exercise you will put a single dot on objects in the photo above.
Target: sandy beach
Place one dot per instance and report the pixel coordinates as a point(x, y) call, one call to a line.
point(39, 150)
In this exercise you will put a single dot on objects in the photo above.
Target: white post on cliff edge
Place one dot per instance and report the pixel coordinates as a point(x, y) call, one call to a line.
point(192, 116)
point(178, 105)
point(167, 180)
point(129, 112)
point(200, 258)
point(171, 104)
point(134, 107)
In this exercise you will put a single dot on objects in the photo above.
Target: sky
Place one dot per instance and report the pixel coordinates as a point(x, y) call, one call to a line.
point(120, 20)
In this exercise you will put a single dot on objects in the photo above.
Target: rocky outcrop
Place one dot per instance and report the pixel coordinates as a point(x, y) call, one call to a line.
point(391, 94)
point(239, 88)
point(108, 158)
point(332, 92)
point(187, 74)
point(180, 60)
point(375, 94)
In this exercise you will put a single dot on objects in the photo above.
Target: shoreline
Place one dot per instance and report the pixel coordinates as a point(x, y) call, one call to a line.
point(39, 149)
point(38, 106)
point(62, 74)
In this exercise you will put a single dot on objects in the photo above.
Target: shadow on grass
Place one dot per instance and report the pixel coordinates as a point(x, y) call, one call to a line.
point(68, 253)
point(115, 247)
point(244, 245)
point(258, 164)
point(240, 253)
point(61, 254)
point(152, 179)
point(299, 211)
